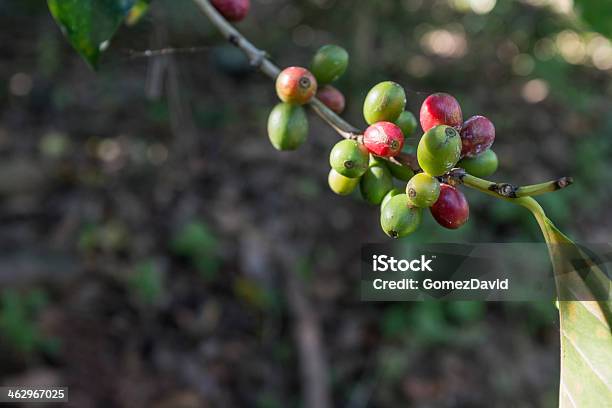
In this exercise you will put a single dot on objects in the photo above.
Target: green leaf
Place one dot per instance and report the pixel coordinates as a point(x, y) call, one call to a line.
point(90, 24)
point(596, 13)
point(586, 340)
point(586, 343)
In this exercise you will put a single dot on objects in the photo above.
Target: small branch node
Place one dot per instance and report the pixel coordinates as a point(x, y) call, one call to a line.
point(234, 40)
point(504, 189)
point(564, 182)
point(458, 173)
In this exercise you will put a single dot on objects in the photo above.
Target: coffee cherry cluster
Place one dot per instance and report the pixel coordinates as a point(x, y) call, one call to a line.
point(296, 86)
point(447, 142)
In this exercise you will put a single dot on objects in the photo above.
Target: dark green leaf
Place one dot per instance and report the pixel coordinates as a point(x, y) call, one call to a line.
point(90, 24)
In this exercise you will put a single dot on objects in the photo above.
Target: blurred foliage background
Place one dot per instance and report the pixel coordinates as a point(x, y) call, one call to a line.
point(156, 251)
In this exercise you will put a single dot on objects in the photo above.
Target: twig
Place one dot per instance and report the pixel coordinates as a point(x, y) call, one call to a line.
point(165, 51)
point(549, 186)
point(166, 77)
point(504, 190)
point(345, 129)
point(259, 59)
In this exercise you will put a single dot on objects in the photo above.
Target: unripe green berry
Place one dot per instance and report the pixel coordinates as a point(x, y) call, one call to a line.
point(341, 185)
point(376, 161)
point(384, 103)
point(439, 150)
point(287, 126)
point(392, 193)
point(329, 63)
point(403, 173)
point(482, 165)
point(398, 171)
point(398, 219)
point(407, 122)
point(423, 190)
point(376, 182)
point(349, 158)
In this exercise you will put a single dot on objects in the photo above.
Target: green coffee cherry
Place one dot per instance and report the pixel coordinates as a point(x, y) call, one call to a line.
point(329, 63)
point(400, 172)
point(349, 158)
point(341, 185)
point(376, 161)
point(376, 182)
point(407, 122)
point(482, 165)
point(398, 219)
point(423, 190)
point(439, 150)
point(287, 126)
point(384, 102)
point(392, 193)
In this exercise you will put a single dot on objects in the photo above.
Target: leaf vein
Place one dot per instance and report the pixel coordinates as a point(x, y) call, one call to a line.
point(569, 396)
point(586, 360)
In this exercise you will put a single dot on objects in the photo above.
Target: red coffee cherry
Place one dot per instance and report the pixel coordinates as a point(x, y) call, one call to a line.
point(232, 10)
point(332, 98)
point(440, 109)
point(451, 210)
point(296, 85)
point(384, 139)
point(477, 135)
